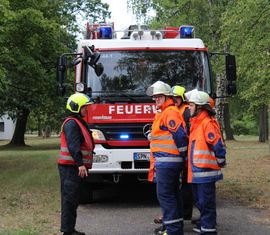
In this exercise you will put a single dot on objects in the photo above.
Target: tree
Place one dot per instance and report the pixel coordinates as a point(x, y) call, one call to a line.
point(35, 33)
point(246, 28)
point(205, 16)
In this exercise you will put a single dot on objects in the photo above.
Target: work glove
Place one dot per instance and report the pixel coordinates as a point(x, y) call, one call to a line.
point(221, 162)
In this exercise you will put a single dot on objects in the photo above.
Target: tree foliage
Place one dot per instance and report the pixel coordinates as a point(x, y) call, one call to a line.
point(241, 27)
point(35, 33)
point(246, 28)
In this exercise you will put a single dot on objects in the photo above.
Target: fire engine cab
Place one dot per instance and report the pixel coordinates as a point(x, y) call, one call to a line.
point(115, 72)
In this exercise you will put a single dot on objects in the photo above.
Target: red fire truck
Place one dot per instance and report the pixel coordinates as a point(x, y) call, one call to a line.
point(115, 73)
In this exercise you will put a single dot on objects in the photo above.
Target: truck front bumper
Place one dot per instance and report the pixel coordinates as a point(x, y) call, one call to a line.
point(120, 161)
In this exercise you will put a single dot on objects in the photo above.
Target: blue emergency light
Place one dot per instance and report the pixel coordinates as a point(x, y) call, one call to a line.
point(124, 136)
point(105, 32)
point(186, 31)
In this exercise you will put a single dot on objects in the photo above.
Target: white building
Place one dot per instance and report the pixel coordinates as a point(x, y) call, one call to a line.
point(7, 127)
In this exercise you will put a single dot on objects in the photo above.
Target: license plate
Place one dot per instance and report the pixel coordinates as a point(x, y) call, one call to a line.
point(141, 156)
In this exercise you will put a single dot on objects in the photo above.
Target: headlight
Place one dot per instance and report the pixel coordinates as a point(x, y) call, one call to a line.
point(98, 135)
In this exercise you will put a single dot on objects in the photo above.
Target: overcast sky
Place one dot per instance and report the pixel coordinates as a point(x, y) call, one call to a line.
point(121, 17)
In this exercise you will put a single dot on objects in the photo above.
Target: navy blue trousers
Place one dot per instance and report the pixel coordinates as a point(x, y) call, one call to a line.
point(170, 199)
point(205, 199)
point(70, 190)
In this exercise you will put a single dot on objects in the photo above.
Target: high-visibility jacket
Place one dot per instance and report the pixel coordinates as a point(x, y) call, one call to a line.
point(206, 151)
point(169, 140)
point(152, 172)
point(182, 109)
point(185, 113)
point(86, 147)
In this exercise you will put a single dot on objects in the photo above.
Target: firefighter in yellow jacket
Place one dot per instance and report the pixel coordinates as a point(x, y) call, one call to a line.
point(74, 160)
point(206, 156)
point(168, 146)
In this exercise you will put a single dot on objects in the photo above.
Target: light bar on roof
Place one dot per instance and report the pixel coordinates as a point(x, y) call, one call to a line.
point(105, 32)
point(186, 31)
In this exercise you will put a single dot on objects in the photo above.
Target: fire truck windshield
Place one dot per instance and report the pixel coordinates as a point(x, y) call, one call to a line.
point(127, 74)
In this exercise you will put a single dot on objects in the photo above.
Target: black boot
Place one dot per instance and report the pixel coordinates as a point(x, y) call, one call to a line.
point(160, 230)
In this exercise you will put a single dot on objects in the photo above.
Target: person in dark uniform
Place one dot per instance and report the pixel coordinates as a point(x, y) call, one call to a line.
point(75, 158)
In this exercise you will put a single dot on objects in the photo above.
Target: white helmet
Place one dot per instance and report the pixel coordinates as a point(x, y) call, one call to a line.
point(159, 88)
point(199, 97)
point(188, 93)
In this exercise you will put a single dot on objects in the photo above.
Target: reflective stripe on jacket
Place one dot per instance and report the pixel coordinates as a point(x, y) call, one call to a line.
point(168, 140)
point(86, 147)
point(205, 143)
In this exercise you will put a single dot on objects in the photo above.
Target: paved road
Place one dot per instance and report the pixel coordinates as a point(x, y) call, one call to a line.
point(130, 211)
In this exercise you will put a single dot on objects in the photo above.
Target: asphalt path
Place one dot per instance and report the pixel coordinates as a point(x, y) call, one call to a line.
point(129, 210)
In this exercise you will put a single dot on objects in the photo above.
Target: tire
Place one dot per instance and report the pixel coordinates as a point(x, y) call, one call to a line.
point(86, 193)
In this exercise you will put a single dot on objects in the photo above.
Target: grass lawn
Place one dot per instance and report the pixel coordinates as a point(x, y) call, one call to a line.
point(246, 176)
point(29, 181)
point(29, 196)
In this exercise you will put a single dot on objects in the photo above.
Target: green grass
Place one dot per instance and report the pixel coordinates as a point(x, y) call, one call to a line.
point(29, 181)
point(29, 197)
point(246, 176)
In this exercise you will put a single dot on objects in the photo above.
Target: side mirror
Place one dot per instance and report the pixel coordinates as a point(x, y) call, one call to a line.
point(230, 68)
point(94, 58)
point(231, 89)
point(89, 53)
point(99, 69)
point(61, 74)
point(61, 90)
point(61, 69)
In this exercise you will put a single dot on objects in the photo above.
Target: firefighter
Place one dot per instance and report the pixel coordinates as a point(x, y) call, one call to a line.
point(152, 178)
point(168, 146)
point(180, 101)
point(178, 93)
point(206, 156)
point(74, 160)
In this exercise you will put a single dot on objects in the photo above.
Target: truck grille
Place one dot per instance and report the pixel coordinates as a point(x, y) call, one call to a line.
point(112, 132)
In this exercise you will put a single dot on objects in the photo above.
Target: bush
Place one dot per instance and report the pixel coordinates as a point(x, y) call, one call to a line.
point(245, 126)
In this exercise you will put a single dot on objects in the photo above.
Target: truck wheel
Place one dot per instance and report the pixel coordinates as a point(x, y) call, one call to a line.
point(86, 193)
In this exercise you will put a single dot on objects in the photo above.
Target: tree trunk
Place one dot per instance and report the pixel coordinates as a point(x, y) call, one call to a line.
point(220, 90)
point(269, 125)
point(263, 123)
point(39, 125)
point(227, 122)
point(20, 128)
